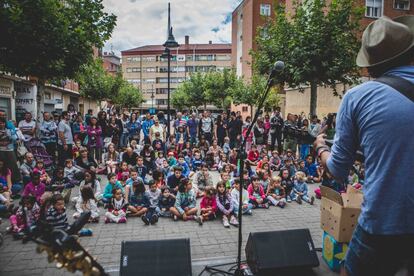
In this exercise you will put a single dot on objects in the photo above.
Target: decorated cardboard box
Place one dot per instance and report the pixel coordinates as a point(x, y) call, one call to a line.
point(333, 252)
point(340, 212)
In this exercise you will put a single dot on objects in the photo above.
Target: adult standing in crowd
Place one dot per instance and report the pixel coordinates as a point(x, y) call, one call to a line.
point(146, 126)
point(28, 126)
point(11, 155)
point(192, 125)
point(219, 130)
point(206, 126)
point(65, 139)
point(134, 128)
point(94, 139)
point(276, 130)
point(378, 119)
point(48, 132)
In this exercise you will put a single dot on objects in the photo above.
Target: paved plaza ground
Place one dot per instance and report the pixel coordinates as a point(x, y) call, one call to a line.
point(210, 243)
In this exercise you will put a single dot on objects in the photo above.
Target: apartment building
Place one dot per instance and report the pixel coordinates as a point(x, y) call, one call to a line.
point(251, 14)
point(147, 70)
point(111, 63)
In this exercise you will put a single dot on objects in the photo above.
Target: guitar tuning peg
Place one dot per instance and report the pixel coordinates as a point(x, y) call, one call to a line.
point(95, 272)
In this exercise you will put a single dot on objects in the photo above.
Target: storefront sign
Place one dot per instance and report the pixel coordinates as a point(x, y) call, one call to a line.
point(25, 99)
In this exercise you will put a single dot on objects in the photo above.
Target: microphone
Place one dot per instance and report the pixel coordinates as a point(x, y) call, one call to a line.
point(278, 66)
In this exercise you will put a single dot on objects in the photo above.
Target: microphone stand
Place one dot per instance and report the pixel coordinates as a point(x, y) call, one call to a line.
point(241, 158)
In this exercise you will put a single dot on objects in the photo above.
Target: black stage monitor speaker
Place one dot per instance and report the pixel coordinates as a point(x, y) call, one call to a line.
point(268, 253)
point(156, 258)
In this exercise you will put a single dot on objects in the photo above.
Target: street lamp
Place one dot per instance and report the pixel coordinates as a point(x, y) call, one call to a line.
point(170, 43)
point(152, 98)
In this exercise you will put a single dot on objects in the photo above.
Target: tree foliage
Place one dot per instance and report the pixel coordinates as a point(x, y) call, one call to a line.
point(318, 44)
point(128, 96)
point(94, 81)
point(51, 39)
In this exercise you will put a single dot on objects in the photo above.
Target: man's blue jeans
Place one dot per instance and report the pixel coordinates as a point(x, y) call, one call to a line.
point(379, 255)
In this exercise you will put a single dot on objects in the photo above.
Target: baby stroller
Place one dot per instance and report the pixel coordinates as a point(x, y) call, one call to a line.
point(38, 149)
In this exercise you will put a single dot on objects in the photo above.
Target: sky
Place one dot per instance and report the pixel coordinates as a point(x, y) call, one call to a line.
point(144, 22)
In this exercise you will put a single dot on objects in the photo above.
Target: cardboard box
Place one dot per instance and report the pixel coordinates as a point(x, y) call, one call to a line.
point(340, 212)
point(333, 252)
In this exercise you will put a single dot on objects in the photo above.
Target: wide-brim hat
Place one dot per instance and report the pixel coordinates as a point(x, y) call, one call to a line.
point(386, 39)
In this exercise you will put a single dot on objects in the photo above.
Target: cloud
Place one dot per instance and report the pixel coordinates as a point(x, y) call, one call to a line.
point(143, 22)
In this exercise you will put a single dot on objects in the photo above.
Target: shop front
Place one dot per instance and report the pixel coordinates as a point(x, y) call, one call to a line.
point(6, 97)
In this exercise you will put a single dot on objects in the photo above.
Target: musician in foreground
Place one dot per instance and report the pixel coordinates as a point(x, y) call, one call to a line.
point(378, 117)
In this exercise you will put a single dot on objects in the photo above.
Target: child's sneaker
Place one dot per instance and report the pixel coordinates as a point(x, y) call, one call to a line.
point(175, 218)
point(298, 200)
point(312, 200)
point(289, 200)
point(250, 212)
point(226, 222)
point(281, 204)
point(233, 221)
point(122, 220)
point(107, 220)
point(145, 220)
point(154, 219)
point(199, 219)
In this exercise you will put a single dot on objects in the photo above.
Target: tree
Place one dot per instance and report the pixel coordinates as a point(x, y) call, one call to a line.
point(194, 89)
point(319, 44)
point(128, 96)
point(95, 82)
point(218, 87)
point(51, 39)
point(179, 100)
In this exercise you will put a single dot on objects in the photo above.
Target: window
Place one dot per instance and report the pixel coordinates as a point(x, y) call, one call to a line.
point(265, 9)
point(402, 4)
point(48, 96)
point(133, 59)
point(149, 80)
point(133, 69)
point(374, 8)
point(149, 58)
point(134, 80)
point(173, 58)
point(161, 101)
point(173, 80)
point(149, 69)
point(245, 109)
point(164, 90)
point(205, 57)
point(223, 57)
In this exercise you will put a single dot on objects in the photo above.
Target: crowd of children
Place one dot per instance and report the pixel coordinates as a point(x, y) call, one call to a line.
point(169, 177)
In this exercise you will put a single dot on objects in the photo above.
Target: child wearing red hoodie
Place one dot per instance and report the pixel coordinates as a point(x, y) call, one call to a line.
point(257, 196)
point(208, 204)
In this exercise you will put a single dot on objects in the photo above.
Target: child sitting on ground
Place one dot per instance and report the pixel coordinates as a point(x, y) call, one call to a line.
point(61, 184)
point(287, 183)
point(35, 187)
point(275, 161)
point(166, 202)
point(225, 205)
point(135, 195)
point(71, 172)
point(208, 204)
point(152, 199)
point(56, 212)
point(141, 169)
point(203, 180)
point(160, 160)
point(276, 193)
point(26, 216)
point(256, 194)
point(40, 168)
point(300, 190)
point(112, 184)
point(87, 202)
point(123, 170)
point(235, 195)
point(116, 208)
point(185, 203)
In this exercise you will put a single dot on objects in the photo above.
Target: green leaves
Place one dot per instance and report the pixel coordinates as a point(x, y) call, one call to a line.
point(95, 83)
point(318, 43)
point(51, 39)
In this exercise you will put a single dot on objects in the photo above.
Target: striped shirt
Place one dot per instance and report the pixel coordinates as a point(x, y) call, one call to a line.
point(57, 220)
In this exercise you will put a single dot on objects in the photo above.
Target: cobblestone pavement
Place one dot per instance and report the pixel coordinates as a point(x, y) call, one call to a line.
point(210, 242)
